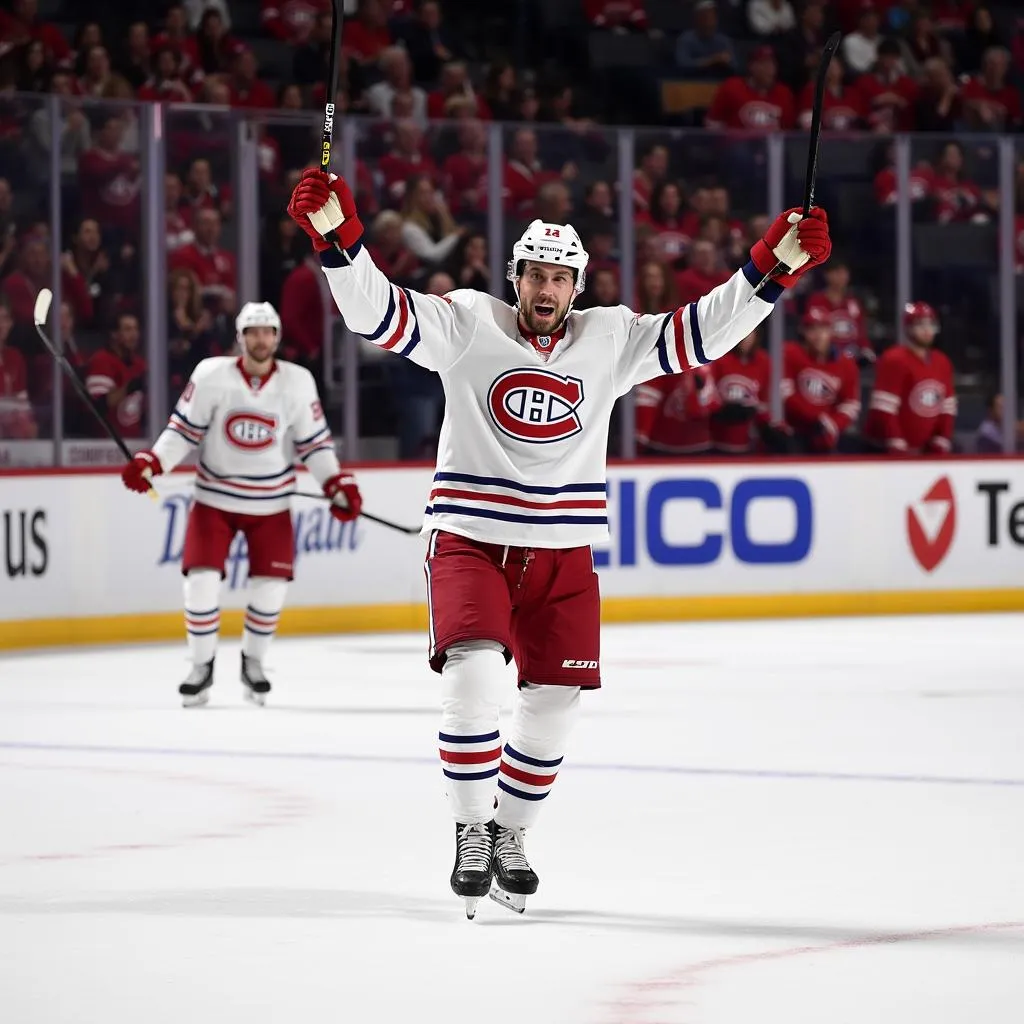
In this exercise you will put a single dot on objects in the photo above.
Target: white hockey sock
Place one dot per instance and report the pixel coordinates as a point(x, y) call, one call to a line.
point(202, 613)
point(266, 599)
point(541, 721)
point(469, 739)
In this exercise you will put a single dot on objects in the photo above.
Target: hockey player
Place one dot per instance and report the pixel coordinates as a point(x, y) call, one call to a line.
point(820, 387)
point(743, 377)
point(248, 417)
point(913, 405)
point(519, 494)
point(673, 414)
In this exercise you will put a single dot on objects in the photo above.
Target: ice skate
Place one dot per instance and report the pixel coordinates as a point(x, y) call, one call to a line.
point(195, 691)
point(255, 684)
point(471, 876)
point(514, 879)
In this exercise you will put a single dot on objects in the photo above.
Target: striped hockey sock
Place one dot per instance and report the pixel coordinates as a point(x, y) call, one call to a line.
point(266, 599)
point(202, 614)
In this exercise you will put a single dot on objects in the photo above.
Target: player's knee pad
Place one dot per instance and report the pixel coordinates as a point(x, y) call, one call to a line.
point(544, 716)
point(202, 590)
point(471, 680)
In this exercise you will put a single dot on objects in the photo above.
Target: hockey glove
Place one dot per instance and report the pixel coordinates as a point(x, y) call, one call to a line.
point(775, 438)
point(322, 203)
point(735, 412)
point(346, 501)
point(137, 474)
point(798, 242)
point(824, 434)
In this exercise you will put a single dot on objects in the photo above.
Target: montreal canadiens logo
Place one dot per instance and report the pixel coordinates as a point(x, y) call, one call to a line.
point(251, 431)
point(820, 387)
point(536, 405)
point(931, 524)
point(926, 398)
point(736, 389)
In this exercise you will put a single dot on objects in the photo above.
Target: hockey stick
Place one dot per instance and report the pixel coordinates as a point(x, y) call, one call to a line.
point(333, 75)
point(412, 531)
point(812, 149)
point(42, 310)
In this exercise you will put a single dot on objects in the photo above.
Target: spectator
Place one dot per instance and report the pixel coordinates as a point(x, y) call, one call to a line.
point(40, 377)
point(989, 438)
point(991, 103)
point(109, 178)
point(179, 233)
point(189, 329)
point(890, 95)
point(311, 62)
point(8, 229)
point(429, 42)
point(33, 71)
point(600, 243)
point(469, 263)
point(166, 85)
point(887, 187)
point(528, 107)
point(454, 86)
point(843, 109)
point(705, 271)
point(981, 35)
point(17, 421)
point(913, 405)
point(770, 17)
point(365, 35)
point(465, 172)
point(177, 37)
point(655, 289)
point(524, 174)
point(956, 198)
point(849, 11)
point(397, 68)
point(294, 138)
point(652, 170)
point(703, 51)
point(213, 266)
point(756, 103)
point(87, 35)
point(939, 103)
point(603, 288)
point(214, 47)
point(20, 288)
point(396, 260)
point(618, 15)
point(923, 43)
point(598, 202)
point(97, 77)
point(1017, 48)
point(743, 380)
point(282, 251)
point(22, 25)
point(302, 313)
point(408, 158)
point(844, 312)
point(820, 388)
point(116, 379)
point(292, 21)
point(499, 91)
point(800, 49)
point(951, 15)
point(673, 414)
point(247, 91)
point(554, 203)
point(86, 259)
point(203, 193)
point(860, 48)
point(428, 228)
point(75, 133)
point(134, 62)
point(196, 11)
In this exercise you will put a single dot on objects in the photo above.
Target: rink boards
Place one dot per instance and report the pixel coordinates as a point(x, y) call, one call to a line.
point(85, 561)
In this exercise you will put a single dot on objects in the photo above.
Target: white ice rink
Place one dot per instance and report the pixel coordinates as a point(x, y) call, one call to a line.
point(757, 823)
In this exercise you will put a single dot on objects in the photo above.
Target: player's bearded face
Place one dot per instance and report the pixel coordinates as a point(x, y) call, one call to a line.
point(545, 292)
point(259, 343)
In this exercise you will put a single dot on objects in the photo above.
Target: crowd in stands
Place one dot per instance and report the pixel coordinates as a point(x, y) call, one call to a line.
point(425, 88)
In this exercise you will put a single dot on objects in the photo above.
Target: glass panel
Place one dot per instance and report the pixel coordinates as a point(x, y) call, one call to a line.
point(26, 369)
point(202, 239)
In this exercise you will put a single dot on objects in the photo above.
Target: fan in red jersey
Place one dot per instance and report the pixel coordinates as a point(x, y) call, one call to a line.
point(889, 94)
point(116, 377)
point(743, 378)
point(845, 313)
point(820, 389)
point(16, 418)
point(843, 109)
point(990, 101)
point(756, 103)
point(913, 406)
point(673, 414)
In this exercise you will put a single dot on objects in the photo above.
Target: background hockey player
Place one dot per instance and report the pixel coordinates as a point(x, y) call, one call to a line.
point(520, 494)
point(249, 417)
point(743, 378)
point(673, 414)
point(820, 387)
point(913, 405)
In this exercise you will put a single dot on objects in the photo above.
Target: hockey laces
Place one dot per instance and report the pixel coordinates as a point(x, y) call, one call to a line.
point(508, 847)
point(475, 848)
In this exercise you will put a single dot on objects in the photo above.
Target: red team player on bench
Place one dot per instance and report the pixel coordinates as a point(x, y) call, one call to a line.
point(519, 494)
point(249, 418)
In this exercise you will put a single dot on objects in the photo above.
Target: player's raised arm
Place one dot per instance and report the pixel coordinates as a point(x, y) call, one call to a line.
point(702, 331)
point(424, 328)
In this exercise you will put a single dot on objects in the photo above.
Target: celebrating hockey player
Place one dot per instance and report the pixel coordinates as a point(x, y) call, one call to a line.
point(519, 494)
point(249, 417)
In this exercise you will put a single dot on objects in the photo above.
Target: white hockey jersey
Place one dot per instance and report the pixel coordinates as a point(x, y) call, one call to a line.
point(249, 432)
point(522, 451)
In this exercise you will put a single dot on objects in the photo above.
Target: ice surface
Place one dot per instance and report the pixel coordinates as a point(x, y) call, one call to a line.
point(756, 823)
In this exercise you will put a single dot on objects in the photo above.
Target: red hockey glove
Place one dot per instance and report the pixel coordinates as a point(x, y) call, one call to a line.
point(137, 473)
point(330, 198)
point(801, 249)
point(346, 501)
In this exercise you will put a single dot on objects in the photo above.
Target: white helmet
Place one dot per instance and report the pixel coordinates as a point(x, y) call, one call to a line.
point(256, 314)
point(550, 243)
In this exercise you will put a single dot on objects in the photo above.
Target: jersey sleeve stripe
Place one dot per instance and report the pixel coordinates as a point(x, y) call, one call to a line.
point(771, 292)
point(695, 336)
point(313, 438)
point(184, 419)
point(385, 323)
point(333, 259)
point(403, 319)
point(663, 347)
point(415, 340)
point(181, 433)
point(190, 433)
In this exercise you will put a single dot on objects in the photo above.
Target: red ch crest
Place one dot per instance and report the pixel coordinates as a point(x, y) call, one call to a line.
point(251, 431)
point(536, 405)
point(931, 524)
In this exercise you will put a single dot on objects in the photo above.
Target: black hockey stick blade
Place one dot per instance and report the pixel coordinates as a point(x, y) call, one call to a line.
point(412, 531)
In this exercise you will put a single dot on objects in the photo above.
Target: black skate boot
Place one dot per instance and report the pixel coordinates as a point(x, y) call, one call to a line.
point(471, 876)
point(196, 688)
point(255, 684)
point(514, 879)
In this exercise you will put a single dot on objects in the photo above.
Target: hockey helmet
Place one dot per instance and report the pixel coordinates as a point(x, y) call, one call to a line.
point(815, 316)
point(918, 312)
point(256, 314)
point(550, 243)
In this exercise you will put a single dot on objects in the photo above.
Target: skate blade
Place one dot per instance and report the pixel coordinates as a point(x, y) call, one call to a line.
point(259, 699)
point(195, 700)
point(471, 902)
point(514, 901)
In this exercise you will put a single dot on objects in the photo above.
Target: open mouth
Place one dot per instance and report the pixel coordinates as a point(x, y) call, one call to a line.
point(544, 310)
